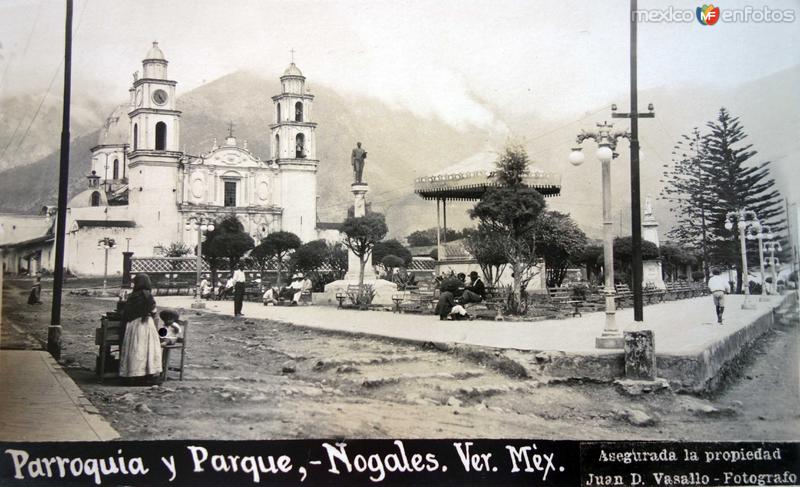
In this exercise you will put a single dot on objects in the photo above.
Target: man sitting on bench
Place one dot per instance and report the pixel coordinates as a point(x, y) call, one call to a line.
point(475, 291)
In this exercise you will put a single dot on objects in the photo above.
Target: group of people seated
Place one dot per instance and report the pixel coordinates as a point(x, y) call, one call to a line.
point(455, 293)
point(299, 285)
point(224, 289)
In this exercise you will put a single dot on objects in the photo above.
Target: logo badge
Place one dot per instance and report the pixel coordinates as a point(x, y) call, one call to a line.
point(708, 14)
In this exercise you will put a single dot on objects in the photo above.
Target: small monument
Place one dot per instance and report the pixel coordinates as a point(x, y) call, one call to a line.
point(384, 289)
point(651, 269)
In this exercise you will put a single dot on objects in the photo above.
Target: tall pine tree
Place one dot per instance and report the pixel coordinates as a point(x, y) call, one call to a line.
point(734, 181)
point(686, 188)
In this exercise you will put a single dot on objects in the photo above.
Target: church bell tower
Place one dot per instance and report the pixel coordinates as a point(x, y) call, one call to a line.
point(294, 150)
point(154, 158)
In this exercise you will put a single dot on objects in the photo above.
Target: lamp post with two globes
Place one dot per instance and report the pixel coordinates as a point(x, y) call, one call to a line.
point(607, 142)
point(200, 226)
point(761, 232)
point(771, 247)
point(106, 243)
point(744, 219)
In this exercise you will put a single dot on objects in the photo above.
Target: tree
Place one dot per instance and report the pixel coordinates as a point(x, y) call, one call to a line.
point(176, 249)
point(592, 258)
point(424, 238)
point(390, 247)
point(390, 263)
point(675, 258)
point(560, 243)
point(686, 188)
point(360, 236)
point(336, 258)
point(735, 182)
point(623, 254)
point(510, 211)
point(278, 246)
point(485, 247)
point(227, 241)
point(309, 258)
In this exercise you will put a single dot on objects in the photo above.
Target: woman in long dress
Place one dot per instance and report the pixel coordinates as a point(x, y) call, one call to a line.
point(140, 354)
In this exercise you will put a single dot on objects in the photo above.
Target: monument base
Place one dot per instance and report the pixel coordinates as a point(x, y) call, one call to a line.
point(609, 342)
point(383, 291)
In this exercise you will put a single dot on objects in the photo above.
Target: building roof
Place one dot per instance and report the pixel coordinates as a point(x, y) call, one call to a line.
point(105, 223)
point(28, 243)
point(292, 70)
point(422, 264)
point(329, 225)
point(155, 53)
point(422, 250)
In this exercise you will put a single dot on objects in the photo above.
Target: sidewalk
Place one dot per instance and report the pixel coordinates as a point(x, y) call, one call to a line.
point(40, 402)
point(682, 327)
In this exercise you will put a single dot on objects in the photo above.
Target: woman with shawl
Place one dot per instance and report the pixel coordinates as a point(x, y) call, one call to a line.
point(140, 354)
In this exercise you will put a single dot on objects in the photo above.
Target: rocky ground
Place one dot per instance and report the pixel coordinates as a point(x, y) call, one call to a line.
point(258, 379)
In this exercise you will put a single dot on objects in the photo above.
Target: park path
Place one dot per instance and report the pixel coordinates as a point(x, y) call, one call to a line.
point(682, 327)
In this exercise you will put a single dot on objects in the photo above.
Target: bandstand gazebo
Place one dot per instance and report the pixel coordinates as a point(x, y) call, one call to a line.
point(468, 181)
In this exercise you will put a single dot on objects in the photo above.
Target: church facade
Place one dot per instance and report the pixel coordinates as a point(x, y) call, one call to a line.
point(145, 193)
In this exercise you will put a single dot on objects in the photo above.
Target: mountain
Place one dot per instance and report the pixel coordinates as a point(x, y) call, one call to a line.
point(30, 126)
point(403, 146)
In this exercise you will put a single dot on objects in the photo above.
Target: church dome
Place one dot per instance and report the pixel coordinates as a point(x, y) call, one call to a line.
point(292, 70)
point(155, 53)
point(115, 128)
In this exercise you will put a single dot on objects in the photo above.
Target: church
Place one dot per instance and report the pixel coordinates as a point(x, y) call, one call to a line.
point(143, 190)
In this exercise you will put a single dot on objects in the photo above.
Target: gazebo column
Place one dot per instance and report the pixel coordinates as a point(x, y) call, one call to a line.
point(444, 222)
point(439, 253)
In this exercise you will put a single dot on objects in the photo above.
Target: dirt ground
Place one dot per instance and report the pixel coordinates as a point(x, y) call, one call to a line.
point(259, 379)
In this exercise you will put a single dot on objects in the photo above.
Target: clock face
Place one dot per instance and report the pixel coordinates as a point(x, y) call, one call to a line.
point(139, 97)
point(160, 97)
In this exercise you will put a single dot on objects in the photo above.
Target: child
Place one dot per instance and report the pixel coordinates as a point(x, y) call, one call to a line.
point(171, 332)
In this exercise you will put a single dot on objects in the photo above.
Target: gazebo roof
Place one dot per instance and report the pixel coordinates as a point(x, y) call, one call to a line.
point(471, 185)
point(470, 178)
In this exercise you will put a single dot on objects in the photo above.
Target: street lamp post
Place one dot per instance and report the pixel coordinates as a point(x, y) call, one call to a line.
point(761, 232)
point(607, 142)
point(771, 247)
point(200, 226)
point(743, 219)
point(106, 243)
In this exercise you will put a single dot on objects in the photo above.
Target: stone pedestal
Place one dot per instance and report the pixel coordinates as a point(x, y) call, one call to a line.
point(384, 289)
point(651, 274)
point(640, 355)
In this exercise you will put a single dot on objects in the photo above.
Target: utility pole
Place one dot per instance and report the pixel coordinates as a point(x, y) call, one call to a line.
point(636, 211)
point(54, 330)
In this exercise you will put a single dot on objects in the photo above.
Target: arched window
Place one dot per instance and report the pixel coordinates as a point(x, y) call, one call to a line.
point(135, 136)
point(277, 146)
point(298, 111)
point(300, 149)
point(116, 169)
point(95, 198)
point(161, 136)
point(279, 113)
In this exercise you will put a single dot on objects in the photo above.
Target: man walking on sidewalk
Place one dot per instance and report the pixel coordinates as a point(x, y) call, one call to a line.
point(238, 290)
point(718, 286)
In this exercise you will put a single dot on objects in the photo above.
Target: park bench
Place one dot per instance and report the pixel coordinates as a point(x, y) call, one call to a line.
point(253, 292)
point(176, 288)
point(622, 295)
point(652, 293)
point(679, 290)
point(419, 300)
point(342, 296)
point(563, 297)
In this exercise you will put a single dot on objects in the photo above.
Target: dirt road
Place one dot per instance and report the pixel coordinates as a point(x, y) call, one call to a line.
point(258, 379)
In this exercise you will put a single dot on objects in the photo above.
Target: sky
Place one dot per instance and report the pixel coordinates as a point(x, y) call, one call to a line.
point(460, 61)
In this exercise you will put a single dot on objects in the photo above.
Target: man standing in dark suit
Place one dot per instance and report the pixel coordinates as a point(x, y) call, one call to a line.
point(239, 280)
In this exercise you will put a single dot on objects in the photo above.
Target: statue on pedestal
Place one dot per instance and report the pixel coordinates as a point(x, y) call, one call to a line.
point(357, 160)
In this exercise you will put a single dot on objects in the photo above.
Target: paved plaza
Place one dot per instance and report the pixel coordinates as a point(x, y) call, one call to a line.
point(682, 327)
